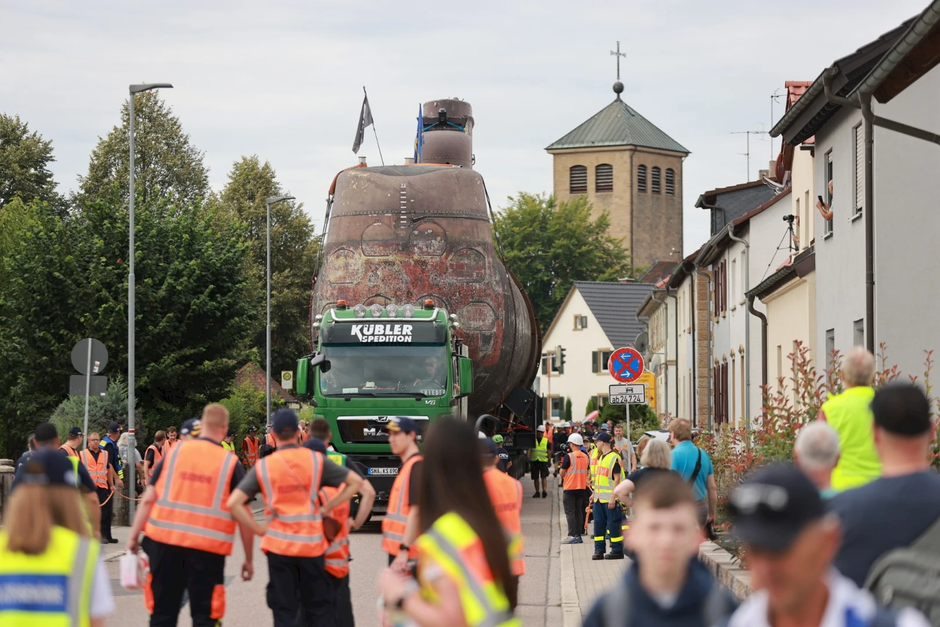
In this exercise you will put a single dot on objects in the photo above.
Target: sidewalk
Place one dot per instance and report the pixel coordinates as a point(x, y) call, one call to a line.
point(591, 578)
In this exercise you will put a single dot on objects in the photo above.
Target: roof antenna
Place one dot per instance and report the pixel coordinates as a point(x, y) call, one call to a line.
point(618, 86)
point(747, 152)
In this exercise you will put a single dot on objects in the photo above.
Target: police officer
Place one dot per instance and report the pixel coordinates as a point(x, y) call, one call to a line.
point(400, 525)
point(190, 529)
point(191, 430)
point(109, 444)
point(607, 514)
point(228, 442)
point(50, 569)
point(294, 538)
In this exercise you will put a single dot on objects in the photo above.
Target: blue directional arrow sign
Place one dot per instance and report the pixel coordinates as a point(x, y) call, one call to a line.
point(625, 365)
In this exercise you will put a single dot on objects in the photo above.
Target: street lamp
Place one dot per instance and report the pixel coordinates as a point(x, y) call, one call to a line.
point(131, 293)
point(267, 327)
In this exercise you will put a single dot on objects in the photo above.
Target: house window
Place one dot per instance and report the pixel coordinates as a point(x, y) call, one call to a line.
point(826, 195)
point(830, 344)
point(721, 294)
point(858, 332)
point(720, 394)
point(600, 359)
point(580, 322)
point(578, 179)
point(604, 178)
point(670, 182)
point(549, 359)
point(601, 400)
point(734, 280)
point(558, 407)
point(641, 178)
point(859, 147)
point(657, 180)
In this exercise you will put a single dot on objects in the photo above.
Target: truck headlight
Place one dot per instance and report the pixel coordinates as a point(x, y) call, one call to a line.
point(392, 310)
point(360, 310)
point(375, 310)
point(408, 310)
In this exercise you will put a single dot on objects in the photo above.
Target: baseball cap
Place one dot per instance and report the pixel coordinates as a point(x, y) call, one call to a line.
point(488, 447)
point(191, 427)
point(285, 419)
point(45, 432)
point(315, 444)
point(498, 438)
point(605, 427)
point(401, 423)
point(230, 433)
point(773, 506)
point(252, 429)
point(603, 436)
point(75, 431)
point(48, 467)
point(902, 409)
point(541, 428)
point(576, 439)
point(114, 427)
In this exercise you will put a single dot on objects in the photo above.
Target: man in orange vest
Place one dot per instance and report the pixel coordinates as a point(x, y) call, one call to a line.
point(400, 525)
point(250, 448)
point(189, 528)
point(574, 476)
point(506, 495)
point(99, 466)
point(268, 443)
point(73, 442)
point(154, 453)
point(294, 539)
point(172, 439)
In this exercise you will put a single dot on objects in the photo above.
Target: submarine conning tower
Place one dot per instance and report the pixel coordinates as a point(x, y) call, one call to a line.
point(448, 132)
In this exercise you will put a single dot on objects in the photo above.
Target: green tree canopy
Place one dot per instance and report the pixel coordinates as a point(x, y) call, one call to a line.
point(24, 165)
point(294, 250)
point(165, 163)
point(549, 246)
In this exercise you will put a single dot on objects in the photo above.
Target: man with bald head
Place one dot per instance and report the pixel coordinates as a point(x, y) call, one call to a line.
point(850, 415)
point(816, 453)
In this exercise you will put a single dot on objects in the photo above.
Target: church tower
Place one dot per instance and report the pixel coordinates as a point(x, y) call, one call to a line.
point(631, 169)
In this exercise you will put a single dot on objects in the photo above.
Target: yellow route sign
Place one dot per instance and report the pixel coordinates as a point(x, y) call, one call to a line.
point(649, 379)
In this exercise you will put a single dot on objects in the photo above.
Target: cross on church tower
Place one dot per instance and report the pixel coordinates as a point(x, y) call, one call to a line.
point(618, 86)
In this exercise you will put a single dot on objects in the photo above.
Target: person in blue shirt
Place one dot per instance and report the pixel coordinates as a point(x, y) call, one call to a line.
point(695, 467)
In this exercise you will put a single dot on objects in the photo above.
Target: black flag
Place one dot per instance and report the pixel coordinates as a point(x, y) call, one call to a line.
point(365, 119)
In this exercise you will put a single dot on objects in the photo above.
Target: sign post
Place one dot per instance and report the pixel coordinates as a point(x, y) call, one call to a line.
point(89, 357)
point(626, 366)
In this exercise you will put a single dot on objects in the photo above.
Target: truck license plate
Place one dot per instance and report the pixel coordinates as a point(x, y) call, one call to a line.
point(383, 471)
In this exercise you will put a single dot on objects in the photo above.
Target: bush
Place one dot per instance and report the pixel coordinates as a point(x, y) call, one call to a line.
point(591, 406)
point(568, 410)
point(246, 407)
point(102, 410)
point(642, 418)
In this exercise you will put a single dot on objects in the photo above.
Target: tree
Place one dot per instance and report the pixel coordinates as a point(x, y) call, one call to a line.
point(549, 246)
point(246, 408)
point(165, 163)
point(568, 409)
point(294, 249)
point(24, 165)
point(642, 418)
point(102, 410)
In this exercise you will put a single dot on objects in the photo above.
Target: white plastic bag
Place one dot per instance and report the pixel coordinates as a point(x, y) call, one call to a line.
point(134, 570)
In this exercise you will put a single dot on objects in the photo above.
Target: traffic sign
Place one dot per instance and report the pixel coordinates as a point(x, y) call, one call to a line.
point(625, 365)
point(649, 379)
point(633, 394)
point(287, 379)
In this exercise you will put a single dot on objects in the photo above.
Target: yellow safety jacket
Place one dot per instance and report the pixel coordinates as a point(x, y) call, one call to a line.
point(850, 415)
point(228, 446)
point(540, 452)
point(451, 545)
point(48, 590)
point(603, 477)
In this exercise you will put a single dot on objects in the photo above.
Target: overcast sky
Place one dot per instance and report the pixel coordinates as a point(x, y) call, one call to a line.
point(283, 79)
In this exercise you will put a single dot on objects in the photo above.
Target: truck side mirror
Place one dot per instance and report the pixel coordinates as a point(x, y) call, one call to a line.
point(465, 370)
point(302, 373)
point(319, 359)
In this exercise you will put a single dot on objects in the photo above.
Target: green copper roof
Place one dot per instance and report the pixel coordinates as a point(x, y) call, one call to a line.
point(618, 124)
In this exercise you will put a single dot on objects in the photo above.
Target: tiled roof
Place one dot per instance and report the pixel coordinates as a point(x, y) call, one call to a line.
point(614, 305)
point(733, 202)
point(618, 124)
point(253, 376)
point(658, 271)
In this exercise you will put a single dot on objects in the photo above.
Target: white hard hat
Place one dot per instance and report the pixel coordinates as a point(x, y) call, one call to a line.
point(481, 435)
point(565, 425)
point(576, 439)
point(541, 428)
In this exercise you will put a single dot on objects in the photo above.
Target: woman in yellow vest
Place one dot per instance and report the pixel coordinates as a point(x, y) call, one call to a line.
point(463, 577)
point(51, 571)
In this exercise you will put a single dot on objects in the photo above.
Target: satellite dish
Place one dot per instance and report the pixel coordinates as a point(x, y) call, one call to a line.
point(655, 362)
point(642, 343)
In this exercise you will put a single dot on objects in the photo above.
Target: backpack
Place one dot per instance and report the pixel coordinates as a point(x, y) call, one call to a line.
point(617, 602)
point(910, 576)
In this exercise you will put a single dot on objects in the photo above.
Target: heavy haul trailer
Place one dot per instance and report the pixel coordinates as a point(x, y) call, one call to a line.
point(396, 237)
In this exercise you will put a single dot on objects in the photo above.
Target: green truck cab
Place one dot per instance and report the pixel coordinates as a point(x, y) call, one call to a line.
point(375, 362)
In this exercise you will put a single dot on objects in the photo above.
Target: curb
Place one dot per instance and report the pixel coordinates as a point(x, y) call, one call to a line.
point(570, 604)
point(726, 569)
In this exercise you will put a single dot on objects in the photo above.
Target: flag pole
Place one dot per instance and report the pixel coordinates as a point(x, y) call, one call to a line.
point(377, 145)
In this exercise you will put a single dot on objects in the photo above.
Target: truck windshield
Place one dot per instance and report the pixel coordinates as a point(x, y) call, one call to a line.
point(385, 370)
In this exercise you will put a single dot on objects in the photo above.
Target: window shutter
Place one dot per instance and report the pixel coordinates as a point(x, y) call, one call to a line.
point(641, 178)
point(594, 364)
point(657, 180)
point(604, 178)
point(578, 179)
point(859, 168)
point(670, 182)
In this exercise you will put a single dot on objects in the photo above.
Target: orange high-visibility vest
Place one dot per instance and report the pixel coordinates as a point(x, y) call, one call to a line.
point(250, 449)
point(170, 444)
point(337, 554)
point(157, 456)
point(393, 525)
point(506, 496)
point(69, 451)
point(576, 473)
point(98, 469)
point(192, 499)
point(270, 441)
point(290, 480)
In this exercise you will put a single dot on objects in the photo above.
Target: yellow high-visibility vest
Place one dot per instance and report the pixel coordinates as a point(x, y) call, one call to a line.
point(850, 415)
point(540, 452)
point(603, 478)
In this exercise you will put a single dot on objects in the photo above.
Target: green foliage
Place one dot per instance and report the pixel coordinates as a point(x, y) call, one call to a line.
point(568, 409)
point(102, 410)
point(591, 406)
point(294, 249)
point(307, 414)
point(550, 246)
point(642, 418)
point(165, 163)
point(246, 408)
point(24, 165)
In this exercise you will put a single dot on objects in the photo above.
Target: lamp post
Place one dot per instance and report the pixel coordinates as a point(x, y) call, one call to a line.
point(267, 326)
point(131, 293)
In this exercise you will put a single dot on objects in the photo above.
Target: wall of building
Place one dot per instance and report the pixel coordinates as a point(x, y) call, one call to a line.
point(790, 318)
point(803, 196)
point(685, 302)
point(657, 218)
point(907, 202)
point(663, 353)
point(578, 382)
point(840, 257)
